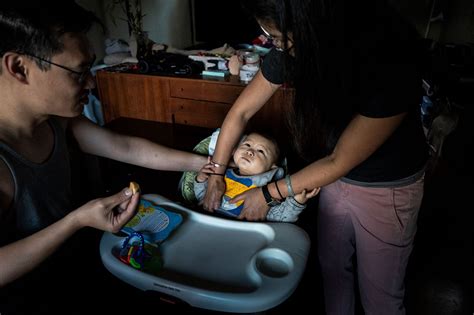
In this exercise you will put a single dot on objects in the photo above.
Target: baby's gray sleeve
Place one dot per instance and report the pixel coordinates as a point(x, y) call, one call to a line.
point(287, 211)
point(200, 189)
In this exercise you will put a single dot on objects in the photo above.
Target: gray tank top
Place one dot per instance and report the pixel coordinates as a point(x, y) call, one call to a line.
point(42, 191)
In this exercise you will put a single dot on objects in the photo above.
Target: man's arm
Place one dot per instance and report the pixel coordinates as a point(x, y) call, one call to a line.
point(22, 256)
point(100, 141)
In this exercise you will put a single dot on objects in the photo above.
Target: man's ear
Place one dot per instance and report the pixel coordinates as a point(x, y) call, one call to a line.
point(14, 64)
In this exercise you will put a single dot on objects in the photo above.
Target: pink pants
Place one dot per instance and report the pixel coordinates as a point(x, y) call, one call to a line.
point(378, 225)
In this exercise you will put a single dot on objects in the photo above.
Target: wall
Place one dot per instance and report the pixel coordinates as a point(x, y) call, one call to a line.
point(169, 21)
point(166, 21)
point(96, 34)
point(459, 24)
point(452, 20)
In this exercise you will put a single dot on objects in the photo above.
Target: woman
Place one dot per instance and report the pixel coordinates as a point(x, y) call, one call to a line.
point(356, 121)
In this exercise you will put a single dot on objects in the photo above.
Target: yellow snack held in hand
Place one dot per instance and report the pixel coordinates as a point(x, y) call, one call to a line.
point(134, 187)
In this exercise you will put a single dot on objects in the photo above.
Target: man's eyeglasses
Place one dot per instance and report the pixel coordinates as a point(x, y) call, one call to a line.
point(81, 75)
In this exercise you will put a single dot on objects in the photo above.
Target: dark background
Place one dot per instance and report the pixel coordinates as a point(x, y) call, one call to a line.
point(218, 22)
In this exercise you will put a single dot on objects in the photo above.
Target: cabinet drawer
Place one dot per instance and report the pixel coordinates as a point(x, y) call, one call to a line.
point(198, 113)
point(205, 91)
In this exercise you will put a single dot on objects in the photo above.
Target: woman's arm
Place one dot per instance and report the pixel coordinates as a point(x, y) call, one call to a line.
point(252, 98)
point(361, 138)
point(250, 101)
point(100, 141)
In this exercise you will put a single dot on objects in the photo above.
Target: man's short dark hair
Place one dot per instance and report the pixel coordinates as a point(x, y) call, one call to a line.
point(35, 27)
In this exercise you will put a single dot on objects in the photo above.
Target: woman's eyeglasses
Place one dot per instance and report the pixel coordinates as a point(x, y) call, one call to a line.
point(81, 75)
point(276, 42)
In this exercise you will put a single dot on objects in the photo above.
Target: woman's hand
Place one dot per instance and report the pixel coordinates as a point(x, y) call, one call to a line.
point(109, 213)
point(215, 191)
point(255, 206)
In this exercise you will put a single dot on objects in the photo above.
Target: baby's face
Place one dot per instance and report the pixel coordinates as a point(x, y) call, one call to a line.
point(255, 155)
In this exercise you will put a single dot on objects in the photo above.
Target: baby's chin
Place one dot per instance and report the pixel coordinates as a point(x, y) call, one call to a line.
point(242, 169)
point(248, 172)
point(245, 172)
point(247, 168)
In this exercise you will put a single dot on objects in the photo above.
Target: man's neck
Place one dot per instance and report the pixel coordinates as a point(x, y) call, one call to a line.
point(26, 134)
point(16, 121)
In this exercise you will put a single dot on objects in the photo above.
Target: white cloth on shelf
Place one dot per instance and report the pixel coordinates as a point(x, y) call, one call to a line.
point(118, 58)
point(115, 45)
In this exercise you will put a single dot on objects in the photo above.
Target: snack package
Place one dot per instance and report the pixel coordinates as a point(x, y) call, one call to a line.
point(153, 222)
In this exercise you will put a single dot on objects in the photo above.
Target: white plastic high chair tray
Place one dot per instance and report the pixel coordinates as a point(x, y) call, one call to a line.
point(220, 264)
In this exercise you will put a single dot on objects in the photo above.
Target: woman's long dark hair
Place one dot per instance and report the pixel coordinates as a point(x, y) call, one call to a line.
point(323, 70)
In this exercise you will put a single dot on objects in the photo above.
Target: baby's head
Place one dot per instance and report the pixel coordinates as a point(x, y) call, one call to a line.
point(256, 154)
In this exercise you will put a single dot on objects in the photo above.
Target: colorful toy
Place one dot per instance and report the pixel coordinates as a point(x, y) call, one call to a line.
point(136, 253)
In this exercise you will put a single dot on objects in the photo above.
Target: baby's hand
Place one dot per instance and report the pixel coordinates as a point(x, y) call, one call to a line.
point(204, 172)
point(303, 197)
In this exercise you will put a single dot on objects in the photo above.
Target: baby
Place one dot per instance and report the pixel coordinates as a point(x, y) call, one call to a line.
point(255, 160)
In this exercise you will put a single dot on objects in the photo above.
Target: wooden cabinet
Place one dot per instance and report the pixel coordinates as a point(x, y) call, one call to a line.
point(133, 96)
point(188, 101)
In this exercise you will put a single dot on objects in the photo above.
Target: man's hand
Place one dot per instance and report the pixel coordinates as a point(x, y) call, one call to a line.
point(109, 213)
point(255, 206)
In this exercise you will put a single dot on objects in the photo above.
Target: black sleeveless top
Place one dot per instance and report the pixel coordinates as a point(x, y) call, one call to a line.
point(42, 191)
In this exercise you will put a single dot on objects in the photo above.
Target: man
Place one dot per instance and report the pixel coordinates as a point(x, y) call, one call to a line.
point(44, 82)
